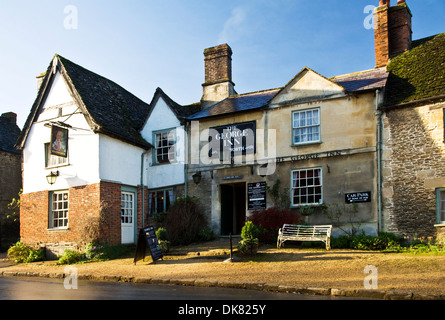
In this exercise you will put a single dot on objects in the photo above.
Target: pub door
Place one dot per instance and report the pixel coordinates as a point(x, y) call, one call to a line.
point(233, 208)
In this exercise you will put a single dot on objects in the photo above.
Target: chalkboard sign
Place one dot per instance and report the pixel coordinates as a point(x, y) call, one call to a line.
point(256, 196)
point(358, 197)
point(147, 238)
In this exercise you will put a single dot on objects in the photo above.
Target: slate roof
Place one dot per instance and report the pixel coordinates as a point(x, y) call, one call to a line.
point(355, 82)
point(109, 108)
point(417, 74)
point(362, 81)
point(9, 132)
point(237, 103)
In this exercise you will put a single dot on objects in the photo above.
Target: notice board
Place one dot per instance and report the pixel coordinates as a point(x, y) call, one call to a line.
point(256, 195)
point(358, 197)
point(147, 238)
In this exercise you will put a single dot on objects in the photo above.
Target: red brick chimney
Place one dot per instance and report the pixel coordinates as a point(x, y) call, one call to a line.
point(218, 75)
point(393, 33)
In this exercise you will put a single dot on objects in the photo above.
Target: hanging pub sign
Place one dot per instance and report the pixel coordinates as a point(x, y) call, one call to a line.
point(232, 139)
point(59, 141)
point(358, 197)
point(147, 238)
point(256, 196)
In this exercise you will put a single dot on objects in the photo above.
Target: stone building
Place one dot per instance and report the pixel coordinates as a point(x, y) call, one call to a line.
point(413, 155)
point(10, 176)
point(317, 136)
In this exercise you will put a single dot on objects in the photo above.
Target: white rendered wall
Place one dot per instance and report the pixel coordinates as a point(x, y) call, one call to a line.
point(163, 175)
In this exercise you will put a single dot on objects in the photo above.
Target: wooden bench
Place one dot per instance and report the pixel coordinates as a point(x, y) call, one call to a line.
point(295, 232)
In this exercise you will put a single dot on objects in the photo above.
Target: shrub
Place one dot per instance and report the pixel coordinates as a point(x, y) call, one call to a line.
point(366, 242)
point(70, 257)
point(161, 234)
point(21, 253)
point(206, 234)
point(270, 220)
point(184, 220)
point(102, 252)
point(249, 242)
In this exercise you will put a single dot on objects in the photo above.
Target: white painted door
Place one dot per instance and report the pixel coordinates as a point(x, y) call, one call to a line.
point(127, 217)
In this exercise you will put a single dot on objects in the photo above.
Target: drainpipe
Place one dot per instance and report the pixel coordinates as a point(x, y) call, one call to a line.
point(379, 159)
point(143, 187)
point(186, 159)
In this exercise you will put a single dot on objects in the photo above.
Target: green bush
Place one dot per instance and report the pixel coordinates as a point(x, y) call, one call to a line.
point(249, 242)
point(366, 242)
point(102, 252)
point(21, 253)
point(70, 257)
point(206, 234)
point(162, 234)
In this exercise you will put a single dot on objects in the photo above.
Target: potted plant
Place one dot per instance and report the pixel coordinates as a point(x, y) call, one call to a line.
point(249, 235)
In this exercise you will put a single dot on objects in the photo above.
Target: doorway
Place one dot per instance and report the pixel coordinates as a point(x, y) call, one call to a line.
point(233, 208)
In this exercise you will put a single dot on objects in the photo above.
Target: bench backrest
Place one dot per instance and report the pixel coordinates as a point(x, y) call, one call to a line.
point(300, 230)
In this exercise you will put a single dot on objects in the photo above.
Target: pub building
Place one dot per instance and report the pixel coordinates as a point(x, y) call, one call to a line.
point(315, 135)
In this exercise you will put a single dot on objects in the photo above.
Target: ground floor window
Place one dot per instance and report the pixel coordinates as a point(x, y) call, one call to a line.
point(306, 186)
point(59, 204)
point(440, 207)
point(159, 201)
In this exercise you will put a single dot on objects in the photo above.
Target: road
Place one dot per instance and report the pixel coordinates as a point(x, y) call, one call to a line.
point(54, 289)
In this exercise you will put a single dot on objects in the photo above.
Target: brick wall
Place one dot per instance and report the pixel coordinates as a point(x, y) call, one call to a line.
point(218, 63)
point(85, 205)
point(413, 167)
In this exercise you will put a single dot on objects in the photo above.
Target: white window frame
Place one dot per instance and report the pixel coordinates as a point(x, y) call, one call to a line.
point(59, 209)
point(127, 207)
point(304, 127)
point(168, 151)
point(307, 187)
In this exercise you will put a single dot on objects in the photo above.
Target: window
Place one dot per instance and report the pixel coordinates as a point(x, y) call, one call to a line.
point(165, 151)
point(159, 201)
point(127, 207)
point(440, 205)
point(306, 126)
point(52, 160)
point(307, 187)
point(59, 203)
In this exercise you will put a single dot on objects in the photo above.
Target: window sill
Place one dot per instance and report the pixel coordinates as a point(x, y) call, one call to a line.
point(58, 229)
point(57, 166)
point(440, 225)
point(302, 144)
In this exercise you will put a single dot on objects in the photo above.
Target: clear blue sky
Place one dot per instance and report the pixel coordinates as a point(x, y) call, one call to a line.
point(145, 44)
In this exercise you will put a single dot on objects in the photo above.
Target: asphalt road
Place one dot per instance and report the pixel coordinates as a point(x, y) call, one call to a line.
point(58, 289)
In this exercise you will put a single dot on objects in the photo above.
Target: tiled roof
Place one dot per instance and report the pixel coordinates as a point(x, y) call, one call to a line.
point(237, 103)
point(109, 108)
point(9, 132)
point(418, 73)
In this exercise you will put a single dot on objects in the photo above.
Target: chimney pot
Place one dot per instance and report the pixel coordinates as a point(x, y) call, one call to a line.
point(11, 116)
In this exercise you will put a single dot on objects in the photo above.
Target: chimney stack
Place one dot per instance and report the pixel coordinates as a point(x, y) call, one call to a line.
point(11, 116)
point(218, 75)
point(393, 32)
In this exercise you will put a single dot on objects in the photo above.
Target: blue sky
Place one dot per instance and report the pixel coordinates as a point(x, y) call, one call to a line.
point(145, 44)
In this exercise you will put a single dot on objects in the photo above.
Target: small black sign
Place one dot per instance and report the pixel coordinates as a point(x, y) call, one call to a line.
point(358, 197)
point(147, 238)
point(256, 196)
point(232, 140)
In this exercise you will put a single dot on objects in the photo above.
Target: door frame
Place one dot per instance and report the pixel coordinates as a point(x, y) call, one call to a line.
point(234, 203)
point(133, 227)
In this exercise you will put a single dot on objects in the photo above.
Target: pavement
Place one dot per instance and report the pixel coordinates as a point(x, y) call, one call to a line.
point(186, 265)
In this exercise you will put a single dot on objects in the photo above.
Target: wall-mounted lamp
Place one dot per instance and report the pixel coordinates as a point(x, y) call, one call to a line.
point(52, 177)
point(197, 177)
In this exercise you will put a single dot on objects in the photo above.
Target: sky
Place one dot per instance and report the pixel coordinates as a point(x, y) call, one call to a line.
point(145, 44)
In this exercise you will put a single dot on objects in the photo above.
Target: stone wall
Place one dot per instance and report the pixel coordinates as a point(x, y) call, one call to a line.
point(413, 168)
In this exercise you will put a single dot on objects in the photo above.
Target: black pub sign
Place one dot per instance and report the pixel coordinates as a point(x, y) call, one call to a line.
point(231, 140)
point(256, 195)
point(358, 197)
point(147, 238)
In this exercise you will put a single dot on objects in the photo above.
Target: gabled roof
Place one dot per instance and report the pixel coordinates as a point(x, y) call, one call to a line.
point(9, 132)
point(418, 74)
point(364, 80)
point(181, 112)
point(237, 103)
point(108, 108)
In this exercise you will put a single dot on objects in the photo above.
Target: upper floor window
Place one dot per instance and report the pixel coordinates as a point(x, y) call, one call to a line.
point(165, 146)
point(306, 126)
point(53, 160)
